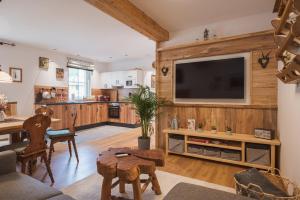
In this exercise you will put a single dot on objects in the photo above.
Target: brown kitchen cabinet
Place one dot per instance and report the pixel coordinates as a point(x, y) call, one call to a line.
point(103, 112)
point(128, 114)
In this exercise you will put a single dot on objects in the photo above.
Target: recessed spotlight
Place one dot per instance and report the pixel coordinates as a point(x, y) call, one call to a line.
point(110, 57)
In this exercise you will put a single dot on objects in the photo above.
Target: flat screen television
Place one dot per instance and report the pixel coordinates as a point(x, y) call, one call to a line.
point(218, 79)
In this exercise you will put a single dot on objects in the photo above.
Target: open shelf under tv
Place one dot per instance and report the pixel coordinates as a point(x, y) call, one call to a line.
point(233, 142)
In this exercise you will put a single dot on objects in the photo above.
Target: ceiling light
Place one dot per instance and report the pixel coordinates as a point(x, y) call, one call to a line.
point(5, 77)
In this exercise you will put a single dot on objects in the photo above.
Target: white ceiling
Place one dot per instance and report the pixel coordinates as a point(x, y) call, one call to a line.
point(73, 27)
point(176, 15)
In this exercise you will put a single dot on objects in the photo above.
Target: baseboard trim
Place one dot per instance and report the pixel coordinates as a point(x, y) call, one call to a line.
point(79, 128)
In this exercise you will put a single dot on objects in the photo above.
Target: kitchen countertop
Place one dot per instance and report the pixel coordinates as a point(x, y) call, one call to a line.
point(78, 102)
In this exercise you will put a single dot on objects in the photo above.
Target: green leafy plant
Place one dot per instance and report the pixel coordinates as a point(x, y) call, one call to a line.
point(146, 105)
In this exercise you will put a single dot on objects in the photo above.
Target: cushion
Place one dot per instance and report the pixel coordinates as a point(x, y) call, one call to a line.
point(18, 186)
point(61, 197)
point(255, 177)
point(185, 191)
point(58, 133)
point(8, 162)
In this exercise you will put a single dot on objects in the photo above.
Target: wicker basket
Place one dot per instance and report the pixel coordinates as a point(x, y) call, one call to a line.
point(273, 175)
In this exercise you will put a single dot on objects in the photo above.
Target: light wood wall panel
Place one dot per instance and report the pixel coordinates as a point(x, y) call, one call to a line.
point(262, 111)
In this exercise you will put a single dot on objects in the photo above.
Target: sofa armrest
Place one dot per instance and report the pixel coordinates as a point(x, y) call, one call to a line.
point(7, 162)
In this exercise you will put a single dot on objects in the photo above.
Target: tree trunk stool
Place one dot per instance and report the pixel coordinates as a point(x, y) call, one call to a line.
point(128, 169)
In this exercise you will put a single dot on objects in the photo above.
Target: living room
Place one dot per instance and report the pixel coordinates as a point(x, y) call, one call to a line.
point(129, 99)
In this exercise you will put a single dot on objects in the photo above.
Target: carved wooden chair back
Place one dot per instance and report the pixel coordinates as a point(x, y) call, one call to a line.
point(44, 110)
point(36, 126)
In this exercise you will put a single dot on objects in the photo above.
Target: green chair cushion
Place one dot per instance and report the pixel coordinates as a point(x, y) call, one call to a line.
point(58, 133)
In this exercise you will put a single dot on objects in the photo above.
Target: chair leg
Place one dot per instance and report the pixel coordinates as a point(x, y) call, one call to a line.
point(75, 149)
point(50, 151)
point(23, 169)
point(30, 167)
point(46, 161)
point(70, 148)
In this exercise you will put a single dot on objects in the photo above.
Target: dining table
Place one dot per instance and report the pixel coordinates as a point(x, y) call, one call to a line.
point(13, 125)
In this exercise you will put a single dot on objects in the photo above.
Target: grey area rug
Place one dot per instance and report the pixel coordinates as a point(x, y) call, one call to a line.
point(90, 187)
point(99, 133)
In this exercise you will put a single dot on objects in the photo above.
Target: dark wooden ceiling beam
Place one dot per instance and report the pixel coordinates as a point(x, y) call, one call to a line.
point(129, 14)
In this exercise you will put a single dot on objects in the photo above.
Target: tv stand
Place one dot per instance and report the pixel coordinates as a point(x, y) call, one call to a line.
point(223, 142)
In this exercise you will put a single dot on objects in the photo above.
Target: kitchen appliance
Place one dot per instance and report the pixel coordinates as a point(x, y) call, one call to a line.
point(114, 110)
point(129, 83)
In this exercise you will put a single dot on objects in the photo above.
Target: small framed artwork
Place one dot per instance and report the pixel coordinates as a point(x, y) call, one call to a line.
point(60, 73)
point(191, 124)
point(43, 63)
point(152, 81)
point(16, 74)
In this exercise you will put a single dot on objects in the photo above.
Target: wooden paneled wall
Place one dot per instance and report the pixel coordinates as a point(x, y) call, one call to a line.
point(262, 111)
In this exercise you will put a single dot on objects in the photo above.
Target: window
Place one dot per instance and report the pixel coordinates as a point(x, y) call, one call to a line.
point(79, 83)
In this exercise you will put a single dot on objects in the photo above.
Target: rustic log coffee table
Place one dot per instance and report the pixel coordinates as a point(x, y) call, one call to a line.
point(127, 164)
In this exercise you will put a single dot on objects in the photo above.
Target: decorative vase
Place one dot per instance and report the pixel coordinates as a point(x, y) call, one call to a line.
point(2, 116)
point(228, 132)
point(144, 143)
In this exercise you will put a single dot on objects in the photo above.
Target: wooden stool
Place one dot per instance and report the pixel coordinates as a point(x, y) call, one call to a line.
point(128, 170)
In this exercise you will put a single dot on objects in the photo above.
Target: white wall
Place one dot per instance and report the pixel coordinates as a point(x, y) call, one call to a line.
point(26, 57)
point(289, 129)
point(143, 63)
point(248, 24)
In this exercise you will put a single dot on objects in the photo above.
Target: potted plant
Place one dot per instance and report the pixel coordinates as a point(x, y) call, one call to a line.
point(146, 105)
point(200, 126)
point(228, 130)
point(213, 129)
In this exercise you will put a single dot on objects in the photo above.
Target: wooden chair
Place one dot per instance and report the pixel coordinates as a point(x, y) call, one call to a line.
point(65, 135)
point(36, 126)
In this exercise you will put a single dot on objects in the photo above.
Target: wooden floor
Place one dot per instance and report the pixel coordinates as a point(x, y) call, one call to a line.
point(66, 171)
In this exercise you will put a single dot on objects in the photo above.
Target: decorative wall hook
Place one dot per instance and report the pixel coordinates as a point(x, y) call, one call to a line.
point(165, 70)
point(264, 60)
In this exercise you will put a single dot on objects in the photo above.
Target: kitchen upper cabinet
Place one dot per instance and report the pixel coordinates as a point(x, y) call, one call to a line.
point(133, 78)
point(128, 79)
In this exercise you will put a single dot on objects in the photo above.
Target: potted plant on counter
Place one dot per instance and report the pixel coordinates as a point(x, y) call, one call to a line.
point(146, 105)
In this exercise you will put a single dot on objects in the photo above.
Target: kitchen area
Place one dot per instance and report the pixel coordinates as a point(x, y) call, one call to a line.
point(107, 105)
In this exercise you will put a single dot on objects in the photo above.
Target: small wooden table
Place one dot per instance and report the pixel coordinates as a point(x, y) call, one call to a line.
point(128, 169)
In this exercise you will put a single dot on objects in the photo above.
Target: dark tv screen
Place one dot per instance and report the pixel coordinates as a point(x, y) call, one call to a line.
point(214, 79)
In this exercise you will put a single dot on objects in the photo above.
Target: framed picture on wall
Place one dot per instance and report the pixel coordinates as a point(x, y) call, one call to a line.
point(60, 73)
point(16, 74)
point(152, 81)
point(43, 63)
